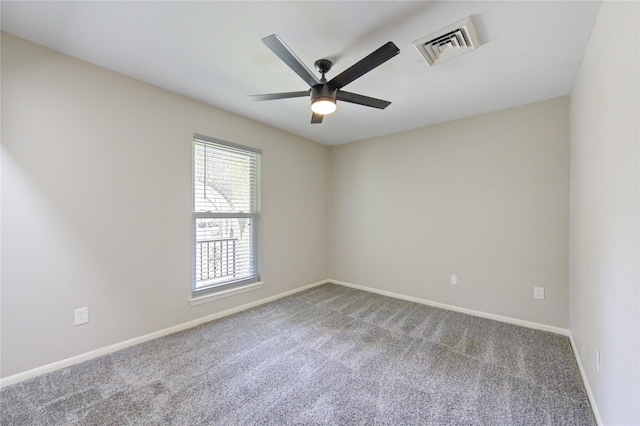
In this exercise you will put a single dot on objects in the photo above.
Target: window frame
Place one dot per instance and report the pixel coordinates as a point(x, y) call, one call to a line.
point(231, 286)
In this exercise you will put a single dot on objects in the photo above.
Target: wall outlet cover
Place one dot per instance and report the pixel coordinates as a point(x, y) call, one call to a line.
point(81, 316)
point(538, 293)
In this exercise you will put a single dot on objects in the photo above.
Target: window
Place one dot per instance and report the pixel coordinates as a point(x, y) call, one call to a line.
point(226, 198)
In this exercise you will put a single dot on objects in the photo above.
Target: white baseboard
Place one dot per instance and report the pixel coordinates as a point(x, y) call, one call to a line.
point(190, 324)
point(16, 378)
point(509, 320)
point(592, 400)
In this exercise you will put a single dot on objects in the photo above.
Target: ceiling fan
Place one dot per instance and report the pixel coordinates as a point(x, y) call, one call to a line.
point(323, 93)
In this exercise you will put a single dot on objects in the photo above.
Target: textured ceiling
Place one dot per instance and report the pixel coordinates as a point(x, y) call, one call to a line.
point(211, 51)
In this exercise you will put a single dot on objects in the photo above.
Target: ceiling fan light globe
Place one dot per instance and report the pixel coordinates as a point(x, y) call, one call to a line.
point(323, 106)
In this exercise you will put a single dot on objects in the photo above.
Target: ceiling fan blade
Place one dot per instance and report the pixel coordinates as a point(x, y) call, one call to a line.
point(283, 95)
point(316, 118)
point(278, 47)
point(354, 98)
point(366, 64)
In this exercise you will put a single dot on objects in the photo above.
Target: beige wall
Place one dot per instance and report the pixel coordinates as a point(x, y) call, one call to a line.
point(96, 181)
point(605, 296)
point(484, 198)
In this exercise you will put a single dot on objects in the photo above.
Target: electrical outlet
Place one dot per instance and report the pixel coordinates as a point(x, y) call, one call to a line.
point(82, 316)
point(454, 279)
point(597, 360)
point(538, 293)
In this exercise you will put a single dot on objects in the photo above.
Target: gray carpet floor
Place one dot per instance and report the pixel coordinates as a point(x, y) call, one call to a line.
point(330, 355)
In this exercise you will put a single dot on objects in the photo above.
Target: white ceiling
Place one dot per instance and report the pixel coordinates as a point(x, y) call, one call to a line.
point(211, 51)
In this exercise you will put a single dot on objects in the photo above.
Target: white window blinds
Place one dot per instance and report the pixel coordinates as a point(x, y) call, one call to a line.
point(226, 200)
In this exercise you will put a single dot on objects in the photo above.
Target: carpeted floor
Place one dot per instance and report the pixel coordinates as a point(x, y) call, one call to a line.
point(330, 355)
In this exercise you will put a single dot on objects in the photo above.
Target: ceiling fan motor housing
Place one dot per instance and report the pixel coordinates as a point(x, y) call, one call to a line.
point(322, 92)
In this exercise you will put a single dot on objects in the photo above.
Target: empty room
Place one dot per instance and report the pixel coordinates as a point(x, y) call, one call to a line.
point(320, 213)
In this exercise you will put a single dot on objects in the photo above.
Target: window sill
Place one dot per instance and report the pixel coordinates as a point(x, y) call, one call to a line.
point(220, 294)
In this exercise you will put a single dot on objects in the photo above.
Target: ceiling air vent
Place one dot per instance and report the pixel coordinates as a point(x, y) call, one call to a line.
point(449, 42)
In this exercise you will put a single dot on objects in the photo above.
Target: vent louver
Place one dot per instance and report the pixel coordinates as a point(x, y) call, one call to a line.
point(449, 42)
